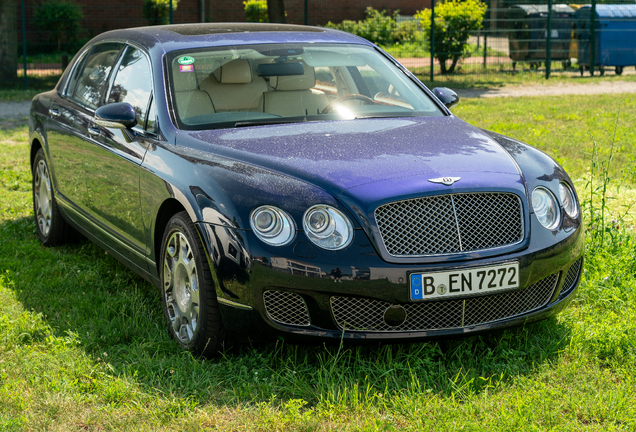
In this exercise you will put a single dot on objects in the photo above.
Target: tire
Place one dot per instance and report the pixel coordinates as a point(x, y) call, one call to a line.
point(619, 70)
point(52, 229)
point(188, 292)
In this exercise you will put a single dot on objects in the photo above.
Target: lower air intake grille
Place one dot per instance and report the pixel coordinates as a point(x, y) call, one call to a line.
point(571, 278)
point(360, 314)
point(286, 308)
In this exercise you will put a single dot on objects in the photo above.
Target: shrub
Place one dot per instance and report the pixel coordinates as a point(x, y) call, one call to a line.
point(256, 11)
point(157, 12)
point(378, 27)
point(454, 20)
point(60, 19)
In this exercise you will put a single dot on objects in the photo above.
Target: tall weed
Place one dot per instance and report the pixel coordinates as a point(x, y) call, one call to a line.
point(605, 222)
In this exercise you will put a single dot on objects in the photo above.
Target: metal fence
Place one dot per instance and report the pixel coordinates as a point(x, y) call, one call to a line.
point(514, 37)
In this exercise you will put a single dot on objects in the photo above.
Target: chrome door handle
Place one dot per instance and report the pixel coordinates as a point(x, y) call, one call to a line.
point(93, 131)
point(54, 112)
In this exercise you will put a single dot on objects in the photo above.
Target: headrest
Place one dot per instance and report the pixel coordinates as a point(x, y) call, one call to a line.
point(234, 72)
point(295, 82)
point(184, 77)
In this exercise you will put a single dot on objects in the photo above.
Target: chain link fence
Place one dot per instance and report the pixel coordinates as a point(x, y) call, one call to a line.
point(435, 40)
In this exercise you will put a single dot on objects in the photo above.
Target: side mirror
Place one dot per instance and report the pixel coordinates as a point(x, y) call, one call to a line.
point(120, 115)
point(446, 96)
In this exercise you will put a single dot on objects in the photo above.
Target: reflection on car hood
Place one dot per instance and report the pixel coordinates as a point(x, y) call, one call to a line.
point(340, 155)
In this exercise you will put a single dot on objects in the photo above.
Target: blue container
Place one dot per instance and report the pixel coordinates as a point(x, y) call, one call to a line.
point(615, 36)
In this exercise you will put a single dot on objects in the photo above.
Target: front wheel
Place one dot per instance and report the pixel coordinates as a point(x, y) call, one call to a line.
point(188, 294)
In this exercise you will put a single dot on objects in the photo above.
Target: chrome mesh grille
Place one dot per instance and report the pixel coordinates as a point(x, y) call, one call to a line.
point(450, 223)
point(360, 314)
point(286, 308)
point(571, 278)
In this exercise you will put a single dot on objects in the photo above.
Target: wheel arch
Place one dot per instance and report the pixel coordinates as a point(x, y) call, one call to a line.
point(35, 146)
point(167, 210)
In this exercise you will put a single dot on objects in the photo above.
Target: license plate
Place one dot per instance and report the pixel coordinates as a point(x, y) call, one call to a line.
point(464, 282)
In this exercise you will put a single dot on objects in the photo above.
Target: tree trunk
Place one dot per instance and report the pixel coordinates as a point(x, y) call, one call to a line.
point(442, 63)
point(275, 11)
point(8, 40)
point(451, 69)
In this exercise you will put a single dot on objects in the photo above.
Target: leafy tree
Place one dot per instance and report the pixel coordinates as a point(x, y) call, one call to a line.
point(276, 11)
point(8, 40)
point(256, 11)
point(61, 19)
point(378, 27)
point(454, 20)
point(157, 12)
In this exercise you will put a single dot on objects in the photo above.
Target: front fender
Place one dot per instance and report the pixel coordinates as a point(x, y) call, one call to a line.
point(217, 192)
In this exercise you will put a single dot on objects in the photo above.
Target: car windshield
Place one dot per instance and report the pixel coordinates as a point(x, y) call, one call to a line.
point(286, 83)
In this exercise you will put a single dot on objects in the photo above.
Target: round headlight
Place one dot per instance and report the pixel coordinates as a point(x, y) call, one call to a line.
point(327, 227)
point(545, 208)
point(568, 201)
point(272, 225)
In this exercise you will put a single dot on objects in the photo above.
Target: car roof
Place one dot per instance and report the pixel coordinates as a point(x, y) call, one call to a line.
point(188, 36)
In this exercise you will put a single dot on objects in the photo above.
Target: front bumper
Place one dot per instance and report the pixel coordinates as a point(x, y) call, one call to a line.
point(287, 292)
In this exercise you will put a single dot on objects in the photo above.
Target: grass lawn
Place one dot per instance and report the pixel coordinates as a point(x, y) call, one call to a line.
point(83, 345)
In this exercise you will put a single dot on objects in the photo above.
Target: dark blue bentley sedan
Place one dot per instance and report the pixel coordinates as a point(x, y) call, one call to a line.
point(280, 180)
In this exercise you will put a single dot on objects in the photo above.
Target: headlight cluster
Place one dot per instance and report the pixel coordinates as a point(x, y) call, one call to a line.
point(272, 225)
point(326, 226)
point(546, 207)
point(568, 201)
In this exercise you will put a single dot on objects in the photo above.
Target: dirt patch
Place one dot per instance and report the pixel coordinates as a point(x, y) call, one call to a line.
point(601, 87)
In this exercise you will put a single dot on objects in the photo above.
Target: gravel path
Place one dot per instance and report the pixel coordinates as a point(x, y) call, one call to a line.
point(20, 110)
point(14, 110)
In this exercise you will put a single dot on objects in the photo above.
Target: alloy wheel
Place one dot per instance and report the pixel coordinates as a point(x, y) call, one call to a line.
point(181, 287)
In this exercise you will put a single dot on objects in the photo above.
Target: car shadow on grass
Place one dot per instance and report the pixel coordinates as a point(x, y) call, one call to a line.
point(116, 316)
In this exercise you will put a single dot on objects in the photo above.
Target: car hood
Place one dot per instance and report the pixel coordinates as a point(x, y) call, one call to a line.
point(379, 157)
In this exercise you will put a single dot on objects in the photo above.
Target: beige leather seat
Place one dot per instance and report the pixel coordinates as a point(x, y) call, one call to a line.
point(190, 100)
point(294, 96)
point(233, 87)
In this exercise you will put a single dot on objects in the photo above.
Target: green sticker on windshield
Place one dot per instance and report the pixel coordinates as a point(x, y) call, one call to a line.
point(186, 60)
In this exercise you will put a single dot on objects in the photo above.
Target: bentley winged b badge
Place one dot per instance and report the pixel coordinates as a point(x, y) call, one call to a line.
point(445, 180)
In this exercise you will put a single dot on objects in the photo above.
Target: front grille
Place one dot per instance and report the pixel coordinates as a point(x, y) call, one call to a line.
point(361, 314)
point(286, 308)
point(571, 278)
point(451, 223)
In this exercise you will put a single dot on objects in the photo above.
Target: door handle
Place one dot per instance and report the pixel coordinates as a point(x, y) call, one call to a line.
point(53, 112)
point(94, 131)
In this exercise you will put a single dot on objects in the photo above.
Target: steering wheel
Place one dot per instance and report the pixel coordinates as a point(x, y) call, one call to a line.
point(355, 96)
